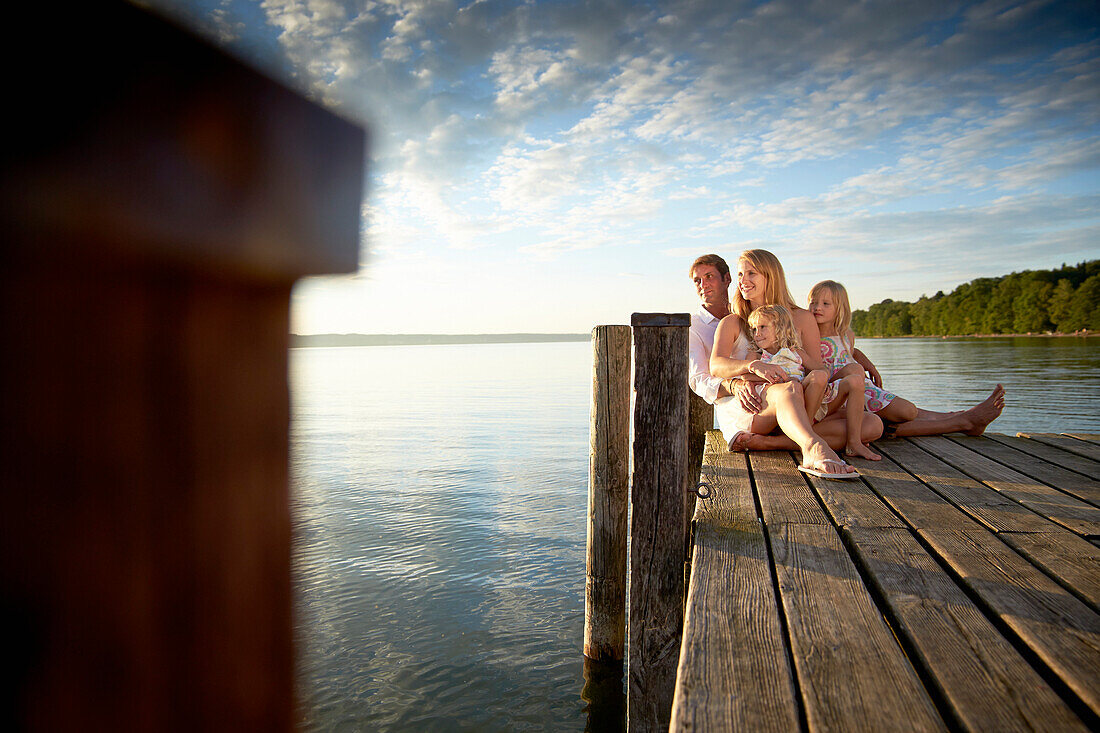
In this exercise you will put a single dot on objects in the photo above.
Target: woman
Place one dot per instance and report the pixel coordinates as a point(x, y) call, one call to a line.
point(760, 281)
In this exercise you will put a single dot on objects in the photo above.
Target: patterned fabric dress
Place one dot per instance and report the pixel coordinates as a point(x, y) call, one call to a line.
point(837, 354)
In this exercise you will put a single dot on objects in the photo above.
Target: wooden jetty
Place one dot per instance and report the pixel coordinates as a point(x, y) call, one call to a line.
point(954, 586)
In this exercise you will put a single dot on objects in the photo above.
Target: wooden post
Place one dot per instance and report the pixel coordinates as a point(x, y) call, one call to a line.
point(700, 420)
point(608, 476)
point(657, 529)
point(154, 221)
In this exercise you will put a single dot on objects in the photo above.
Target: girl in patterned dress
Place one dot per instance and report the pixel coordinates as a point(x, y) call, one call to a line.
point(830, 309)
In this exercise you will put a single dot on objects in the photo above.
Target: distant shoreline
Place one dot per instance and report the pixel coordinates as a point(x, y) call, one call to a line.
point(298, 341)
point(1048, 334)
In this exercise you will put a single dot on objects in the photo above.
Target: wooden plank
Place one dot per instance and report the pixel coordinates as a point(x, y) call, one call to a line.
point(1070, 482)
point(657, 525)
point(1066, 443)
point(1090, 437)
point(733, 672)
point(1049, 453)
point(1059, 628)
point(917, 504)
point(789, 497)
point(997, 512)
point(1071, 513)
point(853, 503)
point(1070, 560)
point(608, 495)
point(981, 679)
point(851, 673)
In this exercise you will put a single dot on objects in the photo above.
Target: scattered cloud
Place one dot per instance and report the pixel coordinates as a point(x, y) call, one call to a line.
point(886, 134)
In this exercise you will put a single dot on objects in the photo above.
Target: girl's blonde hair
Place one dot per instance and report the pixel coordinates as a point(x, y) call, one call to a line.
point(775, 289)
point(843, 319)
point(786, 335)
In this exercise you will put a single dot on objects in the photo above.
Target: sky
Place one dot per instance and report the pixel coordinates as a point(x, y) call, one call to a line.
point(549, 166)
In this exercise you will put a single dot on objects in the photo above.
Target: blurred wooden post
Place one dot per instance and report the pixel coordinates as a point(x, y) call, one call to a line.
point(608, 476)
point(155, 217)
point(657, 528)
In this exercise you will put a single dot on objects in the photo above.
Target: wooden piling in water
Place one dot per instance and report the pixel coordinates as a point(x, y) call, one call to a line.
point(608, 489)
point(658, 525)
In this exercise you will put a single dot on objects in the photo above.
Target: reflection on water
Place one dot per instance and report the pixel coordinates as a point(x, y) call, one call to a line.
point(439, 507)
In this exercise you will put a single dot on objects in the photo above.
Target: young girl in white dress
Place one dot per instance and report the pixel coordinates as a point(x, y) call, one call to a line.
point(777, 341)
point(774, 332)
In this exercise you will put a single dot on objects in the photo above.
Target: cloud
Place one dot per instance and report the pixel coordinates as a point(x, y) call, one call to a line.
point(559, 130)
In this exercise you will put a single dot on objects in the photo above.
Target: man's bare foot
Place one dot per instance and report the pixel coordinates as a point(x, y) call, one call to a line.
point(862, 451)
point(980, 415)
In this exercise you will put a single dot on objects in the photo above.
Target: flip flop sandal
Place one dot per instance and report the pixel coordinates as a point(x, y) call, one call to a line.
point(824, 474)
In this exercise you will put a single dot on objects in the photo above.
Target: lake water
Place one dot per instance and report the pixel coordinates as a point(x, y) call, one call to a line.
point(439, 499)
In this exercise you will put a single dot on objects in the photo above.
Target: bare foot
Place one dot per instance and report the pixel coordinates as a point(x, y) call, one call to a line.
point(980, 415)
point(862, 451)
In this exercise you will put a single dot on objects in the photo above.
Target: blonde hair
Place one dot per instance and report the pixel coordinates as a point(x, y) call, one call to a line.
point(775, 289)
point(843, 319)
point(786, 335)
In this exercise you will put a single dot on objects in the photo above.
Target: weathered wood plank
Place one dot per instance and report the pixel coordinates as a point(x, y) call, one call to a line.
point(1069, 559)
point(851, 672)
point(1090, 437)
point(917, 504)
point(1060, 628)
point(1063, 632)
point(1071, 513)
point(1073, 445)
point(997, 512)
point(1049, 453)
point(982, 680)
point(657, 542)
point(789, 498)
point(853, 503)
point(733, 672)
point(1070, 482)
point(608, 494)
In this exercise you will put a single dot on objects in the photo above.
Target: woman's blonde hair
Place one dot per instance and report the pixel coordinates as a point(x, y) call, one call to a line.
point(843, 319)
point(786, 335)
point(775, 289)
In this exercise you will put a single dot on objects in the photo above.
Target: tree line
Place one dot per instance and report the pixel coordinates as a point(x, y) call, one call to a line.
point(1034, 301)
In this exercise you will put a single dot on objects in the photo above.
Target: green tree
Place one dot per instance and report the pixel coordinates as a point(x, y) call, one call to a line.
point(1030, 308)
point(1084, 309)
point(1058, 306)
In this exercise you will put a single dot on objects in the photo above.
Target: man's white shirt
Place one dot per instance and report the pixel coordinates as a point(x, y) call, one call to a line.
point(700, 344)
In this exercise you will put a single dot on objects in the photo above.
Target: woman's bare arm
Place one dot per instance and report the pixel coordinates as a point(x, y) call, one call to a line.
point(729, 328)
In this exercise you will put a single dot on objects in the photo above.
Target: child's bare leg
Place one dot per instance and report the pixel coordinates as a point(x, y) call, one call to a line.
point(902, 410)
point(834, 429)
point(849, 370)
point(813, 389)
point(854, 408)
